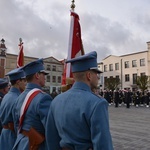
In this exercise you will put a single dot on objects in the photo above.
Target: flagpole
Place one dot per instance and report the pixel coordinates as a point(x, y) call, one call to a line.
point(72, 9)
point(70, 39)
point(20, 41)
point(20, 58)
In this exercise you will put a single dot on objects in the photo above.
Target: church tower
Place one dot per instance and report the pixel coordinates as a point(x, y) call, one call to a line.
point(2, 58)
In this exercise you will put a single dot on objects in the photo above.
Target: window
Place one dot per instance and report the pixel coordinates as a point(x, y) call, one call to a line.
point(59, 79)
point(54, 68)
point(116, 66)
point(117, 77)
point(143, 74)
point(126, 64)
point(48, 67)
point(142, 62)
point(127, 78)
point(134, 63)
point(59, 68)
point(48, 78)
point(110, 67)
point(105, 68)
point(54, 79)
point(3, 52)
point(134, 78)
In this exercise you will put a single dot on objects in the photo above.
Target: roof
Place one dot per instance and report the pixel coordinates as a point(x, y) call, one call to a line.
point(133, 53)
point(110, 56)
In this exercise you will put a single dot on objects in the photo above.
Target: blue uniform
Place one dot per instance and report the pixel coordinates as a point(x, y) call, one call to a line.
point(78, 120)
point(1, 97)
point(8, 136)
point(35, 116)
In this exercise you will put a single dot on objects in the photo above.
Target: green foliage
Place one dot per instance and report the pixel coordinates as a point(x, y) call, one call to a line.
point(143, 82)
point(112, 83)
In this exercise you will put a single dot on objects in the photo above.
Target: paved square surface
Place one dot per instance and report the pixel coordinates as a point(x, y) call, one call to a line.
point(130, 127)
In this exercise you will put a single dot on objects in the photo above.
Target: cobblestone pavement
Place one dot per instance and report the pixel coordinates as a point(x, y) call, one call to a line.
point(130, 127)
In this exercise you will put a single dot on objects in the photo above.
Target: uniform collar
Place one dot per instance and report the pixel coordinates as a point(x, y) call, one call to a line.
point(15, 90)
point(32, 86)
point(82, 86)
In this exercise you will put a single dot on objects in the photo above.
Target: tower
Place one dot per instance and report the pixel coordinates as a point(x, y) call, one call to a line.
point(2, 58)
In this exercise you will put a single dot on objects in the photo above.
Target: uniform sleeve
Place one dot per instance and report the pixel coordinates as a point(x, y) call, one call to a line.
point(100, 132)
point(43, 108)
point(0, 126)
point(52, 136)
point(15, 116)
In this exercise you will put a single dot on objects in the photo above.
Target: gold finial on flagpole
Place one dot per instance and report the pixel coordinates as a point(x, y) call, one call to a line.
point(20, 40)
point(73, 5)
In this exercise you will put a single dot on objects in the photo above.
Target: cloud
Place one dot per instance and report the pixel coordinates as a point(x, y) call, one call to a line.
point(41, 39)
point(103, 35)
point(44, 27)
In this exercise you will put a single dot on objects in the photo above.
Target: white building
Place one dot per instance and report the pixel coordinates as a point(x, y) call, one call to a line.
point(126, 67)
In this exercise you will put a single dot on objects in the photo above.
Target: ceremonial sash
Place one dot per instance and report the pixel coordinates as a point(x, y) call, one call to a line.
point(29, 97)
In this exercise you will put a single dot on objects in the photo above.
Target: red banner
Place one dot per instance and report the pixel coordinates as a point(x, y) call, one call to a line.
point(20, 58)
point(75, 47)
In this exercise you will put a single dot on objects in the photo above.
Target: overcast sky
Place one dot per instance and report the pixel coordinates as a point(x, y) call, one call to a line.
point(110, 27)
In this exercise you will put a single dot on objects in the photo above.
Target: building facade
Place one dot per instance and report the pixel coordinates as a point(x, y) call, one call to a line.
point(126, 68)
point(54, 78)
point(52, 65)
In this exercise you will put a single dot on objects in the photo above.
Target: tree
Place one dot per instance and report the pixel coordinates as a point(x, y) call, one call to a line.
point(112, 83)
point(143, 82)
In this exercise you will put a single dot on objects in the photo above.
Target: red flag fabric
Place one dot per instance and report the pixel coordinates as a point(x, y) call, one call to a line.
point(20, 58)
point(75, 47)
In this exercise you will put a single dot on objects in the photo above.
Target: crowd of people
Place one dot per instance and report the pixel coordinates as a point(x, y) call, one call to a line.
point(76, 119)
point(126, 97)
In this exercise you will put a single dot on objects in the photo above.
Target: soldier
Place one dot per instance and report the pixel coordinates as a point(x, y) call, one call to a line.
point(18, 82)
point(107, 96)
point(32, 108)
point(137, 98)
point(116, 98)
point(68, 85)
point(4, 88)
point(54, 93)
point(101, 93)
point(142, 98)
point(147, 96)
point(120, 97)
point(78, 119)
point(128, 98)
